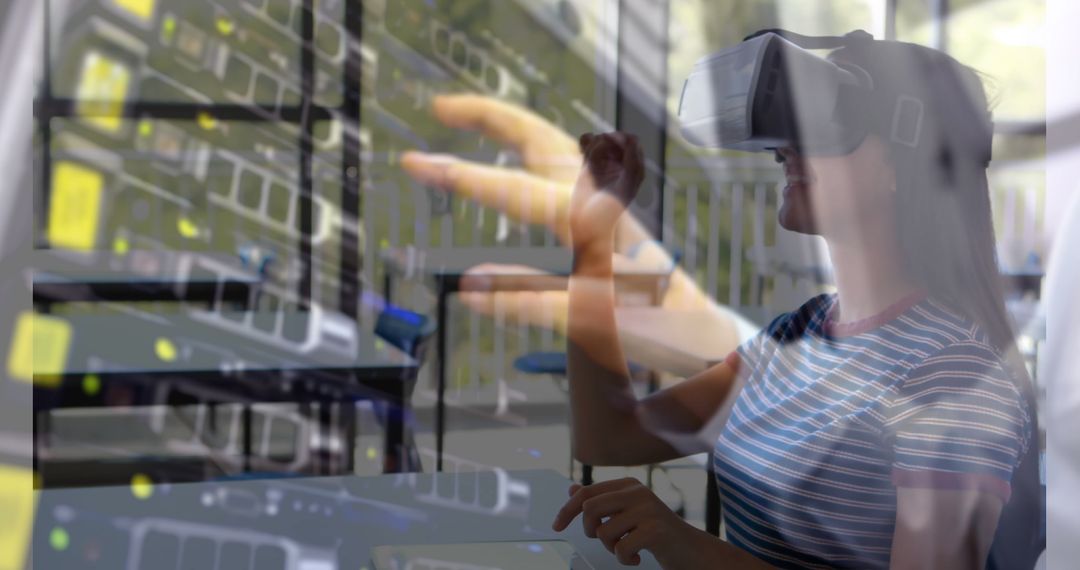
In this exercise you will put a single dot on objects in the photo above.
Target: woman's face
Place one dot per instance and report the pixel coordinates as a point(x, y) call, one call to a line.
point(837, 196)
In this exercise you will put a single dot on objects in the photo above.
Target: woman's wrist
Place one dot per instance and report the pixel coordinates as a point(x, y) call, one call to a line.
point(593, 256)
point(595, 247)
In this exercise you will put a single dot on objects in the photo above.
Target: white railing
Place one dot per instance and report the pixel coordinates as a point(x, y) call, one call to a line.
point(724, 226)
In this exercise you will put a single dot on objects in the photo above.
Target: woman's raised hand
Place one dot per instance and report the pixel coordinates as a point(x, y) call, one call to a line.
point(610, 178)
point(539, 194)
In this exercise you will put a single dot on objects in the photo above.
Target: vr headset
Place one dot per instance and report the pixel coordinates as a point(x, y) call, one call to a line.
point(771, 91)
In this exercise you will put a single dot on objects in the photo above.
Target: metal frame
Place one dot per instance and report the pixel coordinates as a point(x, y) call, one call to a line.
point(640, 102)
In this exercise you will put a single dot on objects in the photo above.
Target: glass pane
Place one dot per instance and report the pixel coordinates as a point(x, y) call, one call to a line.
point(1005, 40)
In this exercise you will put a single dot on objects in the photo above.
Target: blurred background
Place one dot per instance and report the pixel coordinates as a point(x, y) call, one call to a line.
point(214, 265)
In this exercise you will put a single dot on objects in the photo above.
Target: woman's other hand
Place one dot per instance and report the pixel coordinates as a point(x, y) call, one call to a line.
point(628, 518)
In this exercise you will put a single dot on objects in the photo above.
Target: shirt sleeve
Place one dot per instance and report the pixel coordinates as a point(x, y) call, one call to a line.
point(958, 421)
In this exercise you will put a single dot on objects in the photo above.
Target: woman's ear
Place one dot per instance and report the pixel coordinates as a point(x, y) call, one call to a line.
point(890, 174)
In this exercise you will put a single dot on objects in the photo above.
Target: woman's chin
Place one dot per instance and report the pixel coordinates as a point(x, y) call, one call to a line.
point(795, 219)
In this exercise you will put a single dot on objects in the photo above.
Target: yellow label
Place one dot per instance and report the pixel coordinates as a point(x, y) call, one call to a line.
point(144, 9)
point(101, 91)
point(74, 206)
point(39, 349)
point(17, 503)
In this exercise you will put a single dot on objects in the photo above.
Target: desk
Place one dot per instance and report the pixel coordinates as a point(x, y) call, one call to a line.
point(305, 523)
point(447, 266)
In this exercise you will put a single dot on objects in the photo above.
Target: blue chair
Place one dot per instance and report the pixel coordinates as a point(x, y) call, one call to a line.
point(408, 331)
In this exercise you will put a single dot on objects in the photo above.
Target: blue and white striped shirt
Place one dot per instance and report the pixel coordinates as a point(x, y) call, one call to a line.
point(834, 417)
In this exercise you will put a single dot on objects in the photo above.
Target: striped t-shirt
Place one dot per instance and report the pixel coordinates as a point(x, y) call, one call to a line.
point(834, 417)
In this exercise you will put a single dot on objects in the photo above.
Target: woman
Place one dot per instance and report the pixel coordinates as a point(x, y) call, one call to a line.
point(879, 427)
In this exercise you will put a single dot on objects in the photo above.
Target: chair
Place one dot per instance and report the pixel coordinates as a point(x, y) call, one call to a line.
point(713, 511)
point(411, 333)
point(1020, 537)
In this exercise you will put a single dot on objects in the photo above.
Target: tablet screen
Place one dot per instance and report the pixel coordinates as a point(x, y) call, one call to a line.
point(524, 555)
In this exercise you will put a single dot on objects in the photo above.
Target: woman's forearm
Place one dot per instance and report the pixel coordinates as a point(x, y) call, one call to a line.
point(601, 400)
point(707, 551)
point(608, 420)
point(591, 316)
point(682, 292)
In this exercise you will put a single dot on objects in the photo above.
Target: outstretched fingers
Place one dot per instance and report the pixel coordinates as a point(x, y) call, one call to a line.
point(545, 148)
point(523, 196)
